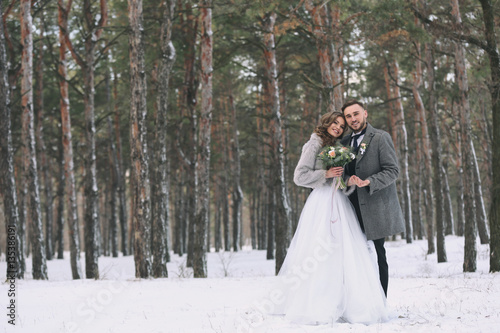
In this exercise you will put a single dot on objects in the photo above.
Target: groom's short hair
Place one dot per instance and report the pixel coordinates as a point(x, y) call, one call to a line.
point(351, 102)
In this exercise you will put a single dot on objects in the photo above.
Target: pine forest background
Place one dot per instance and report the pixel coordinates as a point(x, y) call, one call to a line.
point(151, 127)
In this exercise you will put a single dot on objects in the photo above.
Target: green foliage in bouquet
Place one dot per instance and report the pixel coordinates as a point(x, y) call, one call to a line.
point(336, 156)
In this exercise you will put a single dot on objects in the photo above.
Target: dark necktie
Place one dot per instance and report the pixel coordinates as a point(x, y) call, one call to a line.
point(355, 139)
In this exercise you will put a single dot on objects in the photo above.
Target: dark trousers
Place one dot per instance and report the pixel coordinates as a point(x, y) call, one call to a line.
point(383, 268)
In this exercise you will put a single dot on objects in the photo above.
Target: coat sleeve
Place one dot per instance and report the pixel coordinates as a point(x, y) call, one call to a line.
point(305, 174)
point(388, 165)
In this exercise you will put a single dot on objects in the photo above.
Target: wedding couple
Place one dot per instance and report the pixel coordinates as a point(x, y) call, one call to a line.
point(336, 268)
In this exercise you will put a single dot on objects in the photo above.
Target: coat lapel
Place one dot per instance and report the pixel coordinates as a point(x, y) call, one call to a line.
point(370, 133)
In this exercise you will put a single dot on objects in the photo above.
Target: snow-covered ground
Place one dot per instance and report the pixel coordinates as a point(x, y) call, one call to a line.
point(425, 295)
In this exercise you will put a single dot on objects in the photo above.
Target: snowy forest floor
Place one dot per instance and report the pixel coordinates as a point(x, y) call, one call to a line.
point(425, 295)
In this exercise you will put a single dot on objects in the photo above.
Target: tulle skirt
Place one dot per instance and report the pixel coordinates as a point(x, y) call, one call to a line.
point(330, 272)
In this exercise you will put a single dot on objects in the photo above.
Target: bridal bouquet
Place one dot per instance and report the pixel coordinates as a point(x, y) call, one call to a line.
point(336, 156)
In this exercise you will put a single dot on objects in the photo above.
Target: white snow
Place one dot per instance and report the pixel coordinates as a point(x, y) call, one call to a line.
point(426, 296)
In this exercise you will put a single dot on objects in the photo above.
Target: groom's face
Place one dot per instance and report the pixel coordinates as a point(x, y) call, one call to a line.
point(355, 115)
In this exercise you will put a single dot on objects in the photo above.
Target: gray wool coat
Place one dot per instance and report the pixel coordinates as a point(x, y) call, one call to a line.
point(379, 203)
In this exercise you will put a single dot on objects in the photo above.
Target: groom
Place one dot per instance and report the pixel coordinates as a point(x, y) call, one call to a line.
point(374, 171)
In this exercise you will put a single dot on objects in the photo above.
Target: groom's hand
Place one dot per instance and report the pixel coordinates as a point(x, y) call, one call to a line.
point(359, 182)
point(363, 183)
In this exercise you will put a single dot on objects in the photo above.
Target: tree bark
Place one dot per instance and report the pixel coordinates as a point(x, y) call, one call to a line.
point(405, 184)
point(460, 224)
point(141, 193)
point(161, 214)
point(29, 149)
point(482, 222)
point(68, 164)
point(253, 217)
point(435, 137)
point(448, 207)
point(7, 180)
point(470, 251)
point(418, 225)
point(224, 188)
point(283, 215)
point(59, 235)
point(225, 210)
point(218, 218)
point(490, 36)
point(91, 189)
point(237, 192)
point(189, 97)
point(337, 53)
point(113, 192)
point(179, 239)
point(121, 179)
point(429, 209)
point(271, 222)
point(203, 161)
point(41, 148)
point(320, 23)
point(87, 64)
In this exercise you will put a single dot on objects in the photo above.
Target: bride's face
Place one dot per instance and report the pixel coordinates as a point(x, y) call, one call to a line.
point(337, 128)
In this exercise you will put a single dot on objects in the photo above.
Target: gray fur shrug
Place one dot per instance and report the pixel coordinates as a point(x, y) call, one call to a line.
point(309, 172)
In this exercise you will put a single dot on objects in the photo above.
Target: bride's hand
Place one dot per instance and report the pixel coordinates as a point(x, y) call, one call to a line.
point(334, 172)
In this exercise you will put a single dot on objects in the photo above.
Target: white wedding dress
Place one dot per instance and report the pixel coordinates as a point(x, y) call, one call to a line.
point(330, 273)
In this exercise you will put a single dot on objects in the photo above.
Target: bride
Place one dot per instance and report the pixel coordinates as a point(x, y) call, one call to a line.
point(330, 273)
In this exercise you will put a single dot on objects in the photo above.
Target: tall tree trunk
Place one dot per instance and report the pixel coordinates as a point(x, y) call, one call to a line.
point(179, 214)
point(390, 97)
point(448, 207)
point(429, 209)
point(218, 219)
point(106, 214)
point(460, 225)
point(224, 185)
point(41, 148)
point(59, 235)
point(91, 188)
point(23, 222)
point(29, 149)
point(337, 54)
point(87, 64)
point(283, 214)
point(470, 251)
point(484, 127)
point(490, 36)
point(113, 192)
point(69, 173)
point(253, 218)
point(417, 216)
point(482, 223)
point(120, 177)
point(203, 161)
point(138, 143)
point(161, 214)
point(237, 192)
point(405, 184)
point(435, 137)
point(271, 222)
point(320, 23)
point(7, 180)
point(189, 95)
point(225, 209)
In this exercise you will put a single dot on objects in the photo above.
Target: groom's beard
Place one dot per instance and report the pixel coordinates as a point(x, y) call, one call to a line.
point(360, 126)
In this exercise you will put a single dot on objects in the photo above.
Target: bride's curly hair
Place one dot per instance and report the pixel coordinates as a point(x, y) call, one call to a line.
point(322, 129)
